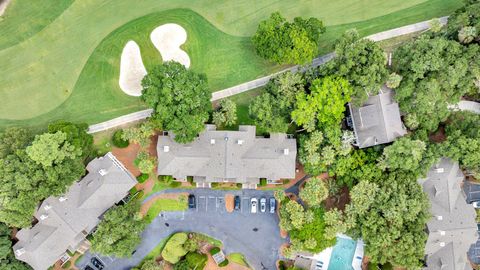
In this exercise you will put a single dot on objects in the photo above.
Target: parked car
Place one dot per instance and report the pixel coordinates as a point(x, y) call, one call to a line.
point(273, 205)
point(88, 268)
point(263, 205)
point(236, 202)
point(254, 203)
point(476, 204)
point(97, 263)
point(192, 203)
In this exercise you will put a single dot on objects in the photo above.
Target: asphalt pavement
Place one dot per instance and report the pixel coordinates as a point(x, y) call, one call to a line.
point(256, 236)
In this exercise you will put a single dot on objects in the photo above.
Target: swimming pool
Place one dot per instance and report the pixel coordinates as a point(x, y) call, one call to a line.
point(342, 254)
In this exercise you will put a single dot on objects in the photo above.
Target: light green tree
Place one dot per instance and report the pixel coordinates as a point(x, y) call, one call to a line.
point(48, 149)
point(314, 192)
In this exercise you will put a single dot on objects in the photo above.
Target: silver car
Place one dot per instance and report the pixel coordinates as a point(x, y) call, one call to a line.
point(263, 205)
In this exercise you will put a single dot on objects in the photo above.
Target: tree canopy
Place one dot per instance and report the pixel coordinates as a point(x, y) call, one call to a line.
point(180, 99)
point(360, 61)
point(76, 135)
point(314, 192)
point(12, 139)
point(324, 105)
point(285, 42)
point(7, 258)
point(435, 74)
point(271, 110)
point(28, 177)
point(226, 114)
point(464, 23)
point(118, 234)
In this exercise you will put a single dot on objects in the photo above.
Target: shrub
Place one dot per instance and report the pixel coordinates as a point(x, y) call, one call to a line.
point(67, 265)
point(239, 185)
point(167, 179)
point(118, 141)
point(196, 260)
point(263, 182)
point(190, 179)
point(142, 177)
point(285, 181)
point(175, 184)
point(214, 250)
point(174, 249)
point(224, 263)
point(214, 185)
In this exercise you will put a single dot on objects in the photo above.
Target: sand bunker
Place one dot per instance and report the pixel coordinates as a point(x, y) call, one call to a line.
point(167, 39)
point(132, 70)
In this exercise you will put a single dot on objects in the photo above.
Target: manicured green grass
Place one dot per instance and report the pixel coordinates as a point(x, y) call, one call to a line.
point(161, 205)
point(238, 258)
point(69, 69)
point(25, 18)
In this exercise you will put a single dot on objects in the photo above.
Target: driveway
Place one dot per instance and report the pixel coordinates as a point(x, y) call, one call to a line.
point(256, 236)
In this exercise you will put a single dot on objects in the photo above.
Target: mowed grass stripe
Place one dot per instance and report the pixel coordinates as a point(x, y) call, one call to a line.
point(99, 104)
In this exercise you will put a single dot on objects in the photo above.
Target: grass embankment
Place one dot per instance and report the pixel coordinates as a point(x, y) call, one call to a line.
point(72, 70)
point(160, 204)
point(238, 258)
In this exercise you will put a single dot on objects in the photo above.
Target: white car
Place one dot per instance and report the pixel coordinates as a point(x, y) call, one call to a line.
point(476, 204)
point(254, 203)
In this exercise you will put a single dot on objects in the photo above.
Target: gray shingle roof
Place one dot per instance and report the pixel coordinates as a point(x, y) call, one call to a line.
point(452, 229)
point(65, 221)
point(235, 156)
point(378, 120)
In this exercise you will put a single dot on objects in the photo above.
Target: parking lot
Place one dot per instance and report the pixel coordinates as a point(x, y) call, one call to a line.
point(256, 235)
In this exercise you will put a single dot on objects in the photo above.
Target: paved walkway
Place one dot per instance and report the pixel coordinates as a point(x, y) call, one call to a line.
point(237, 89)
point(466, 105)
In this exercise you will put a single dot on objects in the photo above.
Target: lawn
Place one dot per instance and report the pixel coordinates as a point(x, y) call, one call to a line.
point(164, 204)
point(60, 59)
point(238, 258)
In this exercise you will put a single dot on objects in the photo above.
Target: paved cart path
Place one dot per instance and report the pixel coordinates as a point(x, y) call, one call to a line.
point(237, 89)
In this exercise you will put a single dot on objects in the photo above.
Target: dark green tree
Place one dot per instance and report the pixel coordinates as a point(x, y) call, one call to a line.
point(12, 139)
point(7, 258)
point(435, 74)
point(180, 99)
point(76, 135)
point(118, 234)
point(362, 62)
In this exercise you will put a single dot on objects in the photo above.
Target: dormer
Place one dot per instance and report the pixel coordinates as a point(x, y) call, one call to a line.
point(166, 148)
point(240, 142)
point(103, 172)
point(19, 252)
point(47, 207)
point(286, 151)
point(43, 217)
point(62, 199)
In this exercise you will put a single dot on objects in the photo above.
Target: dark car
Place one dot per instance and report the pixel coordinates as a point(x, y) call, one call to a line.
point(192, 203)
point(236, 202)
point(273, 205)
point(97, 263)
point(88, 268)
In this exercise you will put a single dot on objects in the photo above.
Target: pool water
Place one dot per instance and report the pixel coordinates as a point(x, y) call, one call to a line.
point(342, 254)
